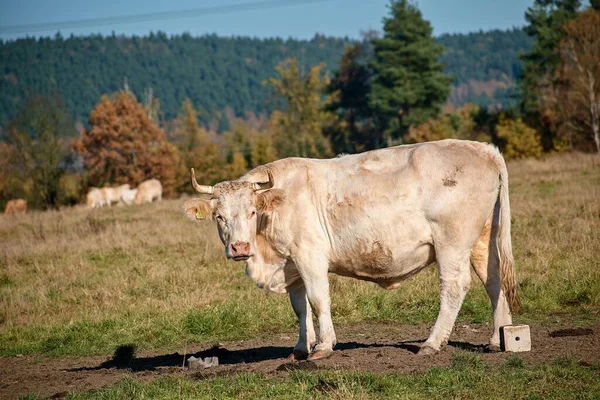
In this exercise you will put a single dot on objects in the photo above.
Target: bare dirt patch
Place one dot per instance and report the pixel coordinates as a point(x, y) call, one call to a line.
point(378, 348)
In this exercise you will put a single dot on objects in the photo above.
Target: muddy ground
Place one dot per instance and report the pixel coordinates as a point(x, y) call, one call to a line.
point(378, 348)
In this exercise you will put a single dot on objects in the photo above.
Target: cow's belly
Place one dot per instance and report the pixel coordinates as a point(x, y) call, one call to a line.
point(383, 241)
point(377, 263)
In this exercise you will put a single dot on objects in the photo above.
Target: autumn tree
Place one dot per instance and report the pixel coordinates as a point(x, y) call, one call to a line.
point(38, 149)
point(124, 145)
point(299, 128)
point(197, 149)
point(579, 85)
point(459, 124)
point(409, 84)
point(517, 140)
point(250, 138)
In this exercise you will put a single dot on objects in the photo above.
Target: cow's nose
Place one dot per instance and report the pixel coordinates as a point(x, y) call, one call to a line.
point(240, 249)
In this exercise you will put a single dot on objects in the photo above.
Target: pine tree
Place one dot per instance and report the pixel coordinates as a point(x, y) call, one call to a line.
point(410, 85)
point(124, 145)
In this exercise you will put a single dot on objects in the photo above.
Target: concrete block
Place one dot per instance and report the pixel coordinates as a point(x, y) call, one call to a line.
point(208, 362)
point(515, 338)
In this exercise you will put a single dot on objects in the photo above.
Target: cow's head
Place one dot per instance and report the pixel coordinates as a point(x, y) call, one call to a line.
point(240, 208)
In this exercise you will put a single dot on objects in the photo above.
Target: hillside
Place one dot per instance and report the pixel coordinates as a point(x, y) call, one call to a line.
point(216, 72)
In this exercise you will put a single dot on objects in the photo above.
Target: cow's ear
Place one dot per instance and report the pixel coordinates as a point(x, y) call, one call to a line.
point(198, 209)
point(268, 200)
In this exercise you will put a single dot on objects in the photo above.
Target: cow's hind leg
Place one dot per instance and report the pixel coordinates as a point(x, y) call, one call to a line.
point(306, 337)
point(455, 278)
point(484, 258)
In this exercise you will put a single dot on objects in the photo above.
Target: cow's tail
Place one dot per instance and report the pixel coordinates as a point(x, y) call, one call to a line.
point(505, 254)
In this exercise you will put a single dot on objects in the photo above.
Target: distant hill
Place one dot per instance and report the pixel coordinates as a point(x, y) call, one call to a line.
point(217, 72)
point(485, 65)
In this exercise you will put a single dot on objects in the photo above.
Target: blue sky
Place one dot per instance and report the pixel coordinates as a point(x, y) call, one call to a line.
point(330, 17)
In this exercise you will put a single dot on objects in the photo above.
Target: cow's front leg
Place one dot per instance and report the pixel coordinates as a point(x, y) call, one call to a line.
point(306, 337)
point(314, 276)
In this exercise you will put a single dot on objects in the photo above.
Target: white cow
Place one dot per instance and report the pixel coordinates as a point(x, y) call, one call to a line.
point(148, 191)
point(380, 216)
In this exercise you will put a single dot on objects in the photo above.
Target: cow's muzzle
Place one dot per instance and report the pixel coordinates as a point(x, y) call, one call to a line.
point(240, 251)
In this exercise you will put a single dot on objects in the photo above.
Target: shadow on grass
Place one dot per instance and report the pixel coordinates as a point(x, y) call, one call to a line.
point(124, 357)
point(225, 356)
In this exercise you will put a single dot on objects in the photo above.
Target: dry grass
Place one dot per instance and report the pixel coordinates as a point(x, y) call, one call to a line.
point(82, 281)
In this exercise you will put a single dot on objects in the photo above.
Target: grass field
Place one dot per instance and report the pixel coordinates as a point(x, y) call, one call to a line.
point(82, 282)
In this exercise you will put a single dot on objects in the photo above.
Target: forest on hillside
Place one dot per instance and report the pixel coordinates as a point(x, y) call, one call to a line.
point(219, 73)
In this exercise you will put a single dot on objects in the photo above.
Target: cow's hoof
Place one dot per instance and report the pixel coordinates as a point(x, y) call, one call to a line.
point(427, 351)
point(297, 355)
point(493, 348)
point(320, 355)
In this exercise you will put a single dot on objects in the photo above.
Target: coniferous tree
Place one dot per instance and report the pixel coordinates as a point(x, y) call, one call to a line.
point(410, 85)
point(538, 82)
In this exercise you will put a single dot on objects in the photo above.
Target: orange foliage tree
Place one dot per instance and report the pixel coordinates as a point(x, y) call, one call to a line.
point(124, 145)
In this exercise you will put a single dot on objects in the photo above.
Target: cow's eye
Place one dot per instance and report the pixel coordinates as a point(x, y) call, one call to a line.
point(252, 214)
point(220, 218)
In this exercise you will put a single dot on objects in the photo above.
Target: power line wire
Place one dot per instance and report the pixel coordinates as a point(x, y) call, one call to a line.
point(128, 19)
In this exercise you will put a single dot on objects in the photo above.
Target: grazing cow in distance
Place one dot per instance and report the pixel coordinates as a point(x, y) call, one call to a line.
point(148, 191)
point(380, 216)
point(15, 207)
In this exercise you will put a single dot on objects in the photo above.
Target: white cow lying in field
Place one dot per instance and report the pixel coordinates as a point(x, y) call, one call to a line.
point(148, 191)
point(379, 216)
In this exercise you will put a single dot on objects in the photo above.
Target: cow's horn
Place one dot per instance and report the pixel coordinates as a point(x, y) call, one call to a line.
point(265, 185)
point(200, 188)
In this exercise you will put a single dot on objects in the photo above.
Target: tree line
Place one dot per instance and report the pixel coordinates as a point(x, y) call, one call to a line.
point(218, 73)
point(388, 89)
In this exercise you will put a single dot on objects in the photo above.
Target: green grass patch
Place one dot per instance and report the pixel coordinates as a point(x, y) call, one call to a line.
point(225, 321)
point(467, 378)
